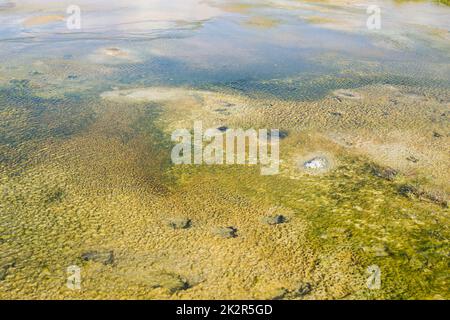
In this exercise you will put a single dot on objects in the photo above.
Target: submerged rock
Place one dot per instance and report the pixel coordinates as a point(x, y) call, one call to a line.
point(180, 223)
point(226, 232)
point(303, 289)
point(316, 163)
point(336, 114)
point(35, 73)
point(177, 284)
point(346, 94)
point(381, 172)
point(105, 257)
point(275, 219)
point(222, 128)
point(4, 270)
point(56, 195)
point(411, 191)
point(226, 104)
point(169, 281)
point(412, 159)
point(283, 134)
point(300, 290)
point(407, 190)
point(280, 294)
point(3, 273)
point(437, 199)
point(222, 111)
point(378, 251)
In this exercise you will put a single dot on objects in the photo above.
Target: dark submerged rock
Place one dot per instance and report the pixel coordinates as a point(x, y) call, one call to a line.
point(437, 199)
point(303, 289)
point(180, 223)
point(35, 73)
point(104, 257)
point(169, 281)
point(283, 134)
point(411, 191)
point(227, 104)
point(55, 196)
point(223, 111)
point(281, 294)
point(4, 270)
point(384, 173)
point(407, 190)
point(412, 159)
point(275, 219)
point(227, 232)
point(3, 273)
point(222, 128)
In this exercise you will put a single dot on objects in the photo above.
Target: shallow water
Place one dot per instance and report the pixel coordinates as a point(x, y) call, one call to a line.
point(85, 166)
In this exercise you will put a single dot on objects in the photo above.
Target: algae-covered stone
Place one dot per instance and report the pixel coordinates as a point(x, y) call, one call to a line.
point(3, 273)
point(411, 191)
point(283, 134)
point(303, 288)
point(347, 94)
point(280, 294)
point(169, 281)
point(180, 223)
point(407, 190)
point(378, 251)
point(383, 172)
point(222, 128)
point(54, 196)
point(412, 159)
point(274, 219)
point(4, 270)
point(105, 257)
point(226, 232)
